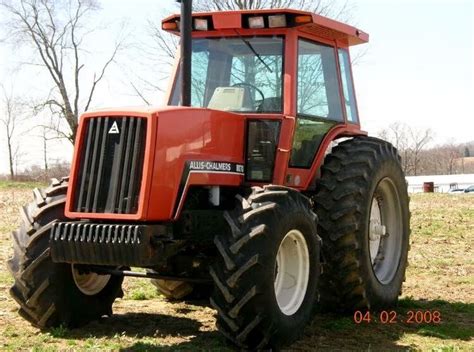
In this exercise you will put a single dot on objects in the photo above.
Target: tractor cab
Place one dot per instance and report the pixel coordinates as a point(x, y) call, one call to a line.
point(286, 72)
point(238, 60)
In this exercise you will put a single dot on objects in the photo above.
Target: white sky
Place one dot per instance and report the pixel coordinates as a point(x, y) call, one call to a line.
point(418, 69)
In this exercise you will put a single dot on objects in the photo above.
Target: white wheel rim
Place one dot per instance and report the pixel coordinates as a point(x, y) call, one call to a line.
point(385, 231)
point(291, 272)
point(89, 284)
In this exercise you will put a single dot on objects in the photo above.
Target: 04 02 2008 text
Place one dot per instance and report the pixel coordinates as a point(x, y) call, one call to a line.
point(393, 317)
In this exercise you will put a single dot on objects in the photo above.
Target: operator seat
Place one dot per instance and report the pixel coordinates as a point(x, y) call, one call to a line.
point(272, 104)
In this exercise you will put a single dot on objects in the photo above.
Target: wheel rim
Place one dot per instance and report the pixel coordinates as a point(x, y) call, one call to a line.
point(89, 283)
point(385, 231)
point(291, 272)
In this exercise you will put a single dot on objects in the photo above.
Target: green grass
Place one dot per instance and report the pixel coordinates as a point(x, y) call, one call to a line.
point(445, 349)
point(11, 331)
point(141, 290)
point(59, 332)
point(5, 277)
point(447, 331)
point(336, 324)
point(138, 295)
point(409, 302)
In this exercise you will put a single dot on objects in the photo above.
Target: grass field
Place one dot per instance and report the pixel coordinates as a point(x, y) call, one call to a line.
point(440, 278)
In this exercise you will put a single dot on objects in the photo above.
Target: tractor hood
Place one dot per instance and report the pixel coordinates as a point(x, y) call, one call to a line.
point(138, 163)
point(133, 110)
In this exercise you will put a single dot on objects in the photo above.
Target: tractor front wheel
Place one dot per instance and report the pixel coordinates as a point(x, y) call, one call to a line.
point(51, 294)
point(266, 276)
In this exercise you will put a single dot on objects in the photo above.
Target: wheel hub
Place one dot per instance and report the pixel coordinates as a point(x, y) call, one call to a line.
point(291, 272)
point(377, 231)
point(89, 284)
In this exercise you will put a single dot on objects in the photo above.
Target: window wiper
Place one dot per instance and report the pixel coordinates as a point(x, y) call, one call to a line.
point(254, 51)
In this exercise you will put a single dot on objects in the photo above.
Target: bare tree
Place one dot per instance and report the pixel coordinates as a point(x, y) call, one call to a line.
point(10, 118)
point(444, 159)
point(44, 137)
point(420, 159)
point(410, 143)
point(55, 29)
point(326, 8)
point(397, 133)
point(452, 156)
point(419, 140)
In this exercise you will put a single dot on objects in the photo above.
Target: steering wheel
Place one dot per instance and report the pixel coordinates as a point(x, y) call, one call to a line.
point(243, 84)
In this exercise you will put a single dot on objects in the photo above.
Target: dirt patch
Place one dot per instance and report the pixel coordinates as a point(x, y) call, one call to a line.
point(440, 278)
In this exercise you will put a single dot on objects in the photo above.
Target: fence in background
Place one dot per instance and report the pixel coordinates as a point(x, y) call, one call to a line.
point(442, 183)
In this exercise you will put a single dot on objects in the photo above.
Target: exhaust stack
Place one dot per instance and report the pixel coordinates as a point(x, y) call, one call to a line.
point(186, 23)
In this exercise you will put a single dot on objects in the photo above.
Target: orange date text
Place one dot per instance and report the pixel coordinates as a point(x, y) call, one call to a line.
point(393, 317)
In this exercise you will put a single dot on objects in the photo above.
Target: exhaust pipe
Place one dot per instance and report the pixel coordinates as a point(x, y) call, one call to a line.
point(186, 25)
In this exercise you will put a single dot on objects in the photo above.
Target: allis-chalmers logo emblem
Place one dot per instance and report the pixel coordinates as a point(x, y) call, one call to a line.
point(114, 129)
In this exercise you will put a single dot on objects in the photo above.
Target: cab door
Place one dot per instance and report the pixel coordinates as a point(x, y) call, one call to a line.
point(319, 104)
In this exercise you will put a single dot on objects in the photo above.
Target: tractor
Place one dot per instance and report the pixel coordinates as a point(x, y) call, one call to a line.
point(254, 188)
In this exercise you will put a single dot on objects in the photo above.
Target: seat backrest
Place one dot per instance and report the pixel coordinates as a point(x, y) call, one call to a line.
point(272, 104)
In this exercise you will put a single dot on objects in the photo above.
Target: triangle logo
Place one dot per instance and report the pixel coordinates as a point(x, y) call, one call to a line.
point(114, 129)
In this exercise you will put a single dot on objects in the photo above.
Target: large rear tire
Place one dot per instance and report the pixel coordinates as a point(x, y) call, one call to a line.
point(51, 294)
point(266, 276)
point(362, 205)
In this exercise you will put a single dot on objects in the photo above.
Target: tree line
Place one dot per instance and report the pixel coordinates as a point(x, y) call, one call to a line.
point(419, 155)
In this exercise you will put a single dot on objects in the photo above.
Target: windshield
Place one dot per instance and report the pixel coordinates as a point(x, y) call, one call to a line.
point(242, 74)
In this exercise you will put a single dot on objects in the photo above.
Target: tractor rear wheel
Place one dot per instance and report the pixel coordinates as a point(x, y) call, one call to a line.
point(267, 272)
point(51, 294)
point(362, 205)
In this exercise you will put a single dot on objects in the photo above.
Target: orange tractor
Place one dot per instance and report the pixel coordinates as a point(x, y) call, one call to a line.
point(255, 187)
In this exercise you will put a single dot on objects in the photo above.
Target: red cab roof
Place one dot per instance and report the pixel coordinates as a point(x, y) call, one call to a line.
point(313, 23)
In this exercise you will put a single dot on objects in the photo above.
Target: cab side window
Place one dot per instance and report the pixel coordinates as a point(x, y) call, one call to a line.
point(348, 87)
point(319, 101)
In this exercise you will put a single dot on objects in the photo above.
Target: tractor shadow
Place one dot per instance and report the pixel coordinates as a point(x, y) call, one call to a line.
point(137, 325)
point(147, 326)
point(326, 331)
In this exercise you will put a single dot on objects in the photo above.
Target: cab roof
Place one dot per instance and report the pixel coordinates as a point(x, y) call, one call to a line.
point(313, 23)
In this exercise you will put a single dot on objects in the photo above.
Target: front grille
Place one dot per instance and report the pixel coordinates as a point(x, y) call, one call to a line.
point(111, 165)
point(103, 244)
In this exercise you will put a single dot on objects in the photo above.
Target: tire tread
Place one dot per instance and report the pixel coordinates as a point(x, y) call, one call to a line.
point(32, 268)
point(344, 181)
point(237, 295)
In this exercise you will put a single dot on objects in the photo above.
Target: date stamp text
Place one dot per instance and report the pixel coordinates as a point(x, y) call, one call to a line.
point(393, 317)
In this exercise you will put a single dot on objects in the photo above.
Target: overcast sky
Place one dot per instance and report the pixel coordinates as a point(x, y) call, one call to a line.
point(418, 69)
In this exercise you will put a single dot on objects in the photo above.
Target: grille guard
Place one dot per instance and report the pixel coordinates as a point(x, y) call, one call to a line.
point(111, 244)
